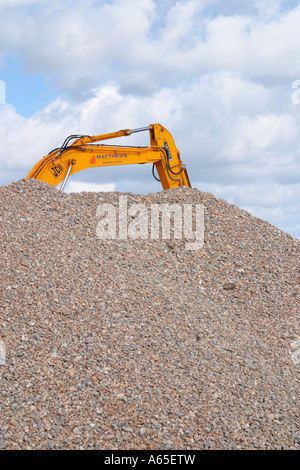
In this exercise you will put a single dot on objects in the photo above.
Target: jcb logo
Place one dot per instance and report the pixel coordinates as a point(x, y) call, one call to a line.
point(56, 170)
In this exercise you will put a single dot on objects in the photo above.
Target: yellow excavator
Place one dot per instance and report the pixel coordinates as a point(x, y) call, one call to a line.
point(82, 153)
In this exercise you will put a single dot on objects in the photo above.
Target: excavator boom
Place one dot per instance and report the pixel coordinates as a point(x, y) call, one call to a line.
point(83, 153)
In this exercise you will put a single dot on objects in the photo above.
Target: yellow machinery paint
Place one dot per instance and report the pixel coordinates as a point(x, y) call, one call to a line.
point(83, 153)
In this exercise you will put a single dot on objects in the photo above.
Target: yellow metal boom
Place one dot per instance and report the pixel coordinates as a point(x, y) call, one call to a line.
point(82, 153)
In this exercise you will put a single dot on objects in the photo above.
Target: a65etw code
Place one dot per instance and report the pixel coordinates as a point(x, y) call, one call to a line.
point(171, 459)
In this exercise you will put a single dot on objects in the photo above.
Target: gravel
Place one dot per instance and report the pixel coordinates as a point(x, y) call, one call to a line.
point(141, 343)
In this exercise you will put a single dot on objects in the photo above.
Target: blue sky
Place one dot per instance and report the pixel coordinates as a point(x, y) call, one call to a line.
point(26, 91)
point(218, 74)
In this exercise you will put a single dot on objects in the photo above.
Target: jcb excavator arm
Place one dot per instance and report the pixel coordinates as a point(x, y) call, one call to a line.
point(82, 154)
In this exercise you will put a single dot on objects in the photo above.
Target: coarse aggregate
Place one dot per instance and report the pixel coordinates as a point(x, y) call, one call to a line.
point(142, 343)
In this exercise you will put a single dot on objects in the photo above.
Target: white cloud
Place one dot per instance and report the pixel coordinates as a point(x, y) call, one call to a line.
point(253, 139)
point(79, 45)
point(14, 3)
point(83, 186)
point(274, 194)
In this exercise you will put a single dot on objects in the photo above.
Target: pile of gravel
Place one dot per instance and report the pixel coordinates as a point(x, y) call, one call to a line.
point(143, 344)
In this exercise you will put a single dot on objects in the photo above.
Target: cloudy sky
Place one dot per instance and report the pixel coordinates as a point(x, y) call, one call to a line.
point(223, 76)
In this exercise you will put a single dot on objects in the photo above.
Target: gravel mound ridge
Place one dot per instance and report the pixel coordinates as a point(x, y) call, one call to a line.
point(143, 344)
